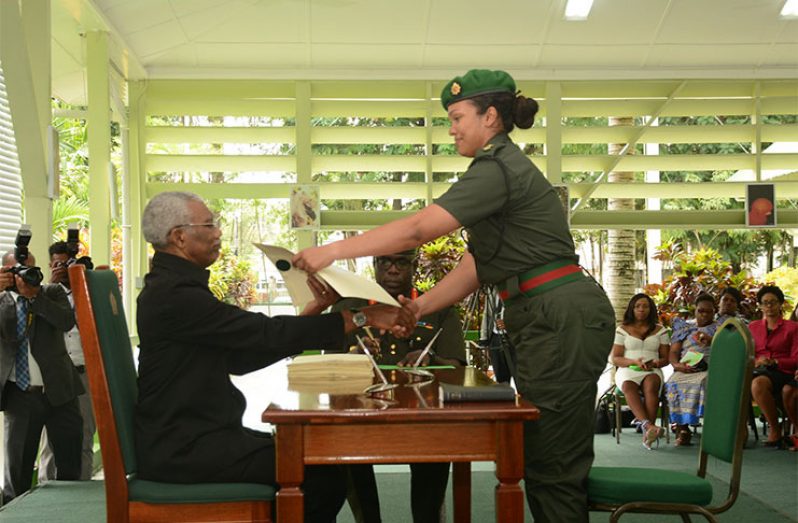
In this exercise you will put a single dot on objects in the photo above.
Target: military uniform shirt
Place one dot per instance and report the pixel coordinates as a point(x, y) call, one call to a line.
point(535, 229)
point(449, 345)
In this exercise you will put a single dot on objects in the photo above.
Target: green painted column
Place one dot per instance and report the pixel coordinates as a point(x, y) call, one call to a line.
point(304, 155)
point(137, 266)
point(554, 132)
point(25, 54)
point(98, 126)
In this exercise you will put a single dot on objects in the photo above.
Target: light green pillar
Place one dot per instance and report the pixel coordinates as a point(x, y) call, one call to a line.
point(304, 158)
point(98, 127)
point(137, 266)
point(428, 144)
point(554, 132)
point(25, 54)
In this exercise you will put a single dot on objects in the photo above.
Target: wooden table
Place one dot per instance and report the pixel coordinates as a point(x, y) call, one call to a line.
point(404, 425)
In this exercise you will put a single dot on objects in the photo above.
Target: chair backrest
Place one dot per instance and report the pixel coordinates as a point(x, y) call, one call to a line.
point(109, 365)
point(728, 391)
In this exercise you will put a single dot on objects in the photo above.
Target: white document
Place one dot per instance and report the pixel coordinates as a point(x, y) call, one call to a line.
point(345, 283)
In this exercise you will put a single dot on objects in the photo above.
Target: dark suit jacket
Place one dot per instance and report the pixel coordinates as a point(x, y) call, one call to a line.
point(52, 317)
point(188, 417)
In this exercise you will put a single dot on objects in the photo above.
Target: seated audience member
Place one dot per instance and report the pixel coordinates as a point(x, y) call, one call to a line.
point(686, 386)
point(729, 305)
point(776, 341)
point(188, 417)
point(640, 350)
point(40, 385)
point(428, 481)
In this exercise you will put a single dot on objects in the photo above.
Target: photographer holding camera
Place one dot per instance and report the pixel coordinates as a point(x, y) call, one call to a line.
point(39, 385)
point(62, 256)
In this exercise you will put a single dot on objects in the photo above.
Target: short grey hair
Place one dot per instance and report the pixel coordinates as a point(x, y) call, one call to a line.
point(8, 258)
point(163, 213)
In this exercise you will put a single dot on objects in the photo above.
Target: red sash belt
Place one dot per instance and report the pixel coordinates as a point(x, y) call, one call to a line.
point(541, 279)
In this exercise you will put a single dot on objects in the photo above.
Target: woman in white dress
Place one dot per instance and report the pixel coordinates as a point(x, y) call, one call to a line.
point(640, 350)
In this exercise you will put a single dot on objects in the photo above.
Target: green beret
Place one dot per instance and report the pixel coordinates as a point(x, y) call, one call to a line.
point(474, 83)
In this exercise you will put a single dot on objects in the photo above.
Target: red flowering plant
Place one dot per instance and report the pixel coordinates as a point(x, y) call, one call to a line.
point(702, 271)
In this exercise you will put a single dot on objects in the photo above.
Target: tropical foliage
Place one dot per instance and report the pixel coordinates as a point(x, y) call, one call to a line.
point(702, 271)
point(232, 280)
point(787, 280)
point(437, 258)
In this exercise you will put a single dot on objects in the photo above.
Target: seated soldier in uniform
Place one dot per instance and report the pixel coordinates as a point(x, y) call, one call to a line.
point(428, 480)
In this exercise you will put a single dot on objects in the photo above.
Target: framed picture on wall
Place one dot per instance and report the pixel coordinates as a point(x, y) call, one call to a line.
point(760, 205)
point(305, 207)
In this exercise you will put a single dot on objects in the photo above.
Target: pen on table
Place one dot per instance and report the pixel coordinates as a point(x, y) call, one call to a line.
point(371, 359)
point(424, 325)
point(371, 336)
point(427, 348)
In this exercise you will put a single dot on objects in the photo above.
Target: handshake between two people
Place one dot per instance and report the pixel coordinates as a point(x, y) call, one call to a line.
point(400, 321)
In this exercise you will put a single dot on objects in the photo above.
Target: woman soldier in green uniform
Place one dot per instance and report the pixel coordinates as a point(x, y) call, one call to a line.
point(559, 320)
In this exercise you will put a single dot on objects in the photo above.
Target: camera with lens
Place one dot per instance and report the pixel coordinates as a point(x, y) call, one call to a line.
point(32, 276)
point(73, 246)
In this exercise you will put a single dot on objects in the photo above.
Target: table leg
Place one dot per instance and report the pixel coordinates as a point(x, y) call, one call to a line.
point(461, 491)
point(509, 471)
point(289, 450)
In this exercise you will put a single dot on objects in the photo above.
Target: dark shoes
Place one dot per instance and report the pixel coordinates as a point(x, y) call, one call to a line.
point(683, 438)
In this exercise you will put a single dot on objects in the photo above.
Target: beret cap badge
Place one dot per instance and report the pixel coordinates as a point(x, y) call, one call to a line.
point(474, 83)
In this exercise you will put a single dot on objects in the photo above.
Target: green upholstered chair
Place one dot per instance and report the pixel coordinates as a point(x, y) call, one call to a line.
point(626, 489)
point(112, 380)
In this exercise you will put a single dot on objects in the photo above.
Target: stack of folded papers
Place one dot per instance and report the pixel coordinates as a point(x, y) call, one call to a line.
point(330, 367)
point(330, 373)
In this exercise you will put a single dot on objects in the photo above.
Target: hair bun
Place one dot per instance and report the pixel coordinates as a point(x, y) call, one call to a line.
point(524, 111)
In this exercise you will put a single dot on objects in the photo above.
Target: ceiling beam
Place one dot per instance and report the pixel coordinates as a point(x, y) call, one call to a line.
point(418, 190)
point(639, 220)
point(629, 145)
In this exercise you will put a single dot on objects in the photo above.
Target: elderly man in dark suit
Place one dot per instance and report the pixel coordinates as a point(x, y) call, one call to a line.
point(39, 385)
point(188, 418)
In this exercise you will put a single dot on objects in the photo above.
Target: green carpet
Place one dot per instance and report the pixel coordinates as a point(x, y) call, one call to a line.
point(58, 501)
point(769, 491)
point(769, 488)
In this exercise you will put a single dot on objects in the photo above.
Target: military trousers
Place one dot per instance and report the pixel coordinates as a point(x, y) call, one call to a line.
point(562, 339)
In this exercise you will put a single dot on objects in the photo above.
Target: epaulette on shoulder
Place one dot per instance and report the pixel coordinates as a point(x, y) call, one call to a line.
point(488, 150)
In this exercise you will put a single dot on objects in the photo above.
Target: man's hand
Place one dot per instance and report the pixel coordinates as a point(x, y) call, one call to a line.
point(372, 345)
point(6, 278)
point(411, 307)
point(399, 320)
point(59, 273)
point(313, 259)
point(410, 359)
point(323, 297)
point(29, 291)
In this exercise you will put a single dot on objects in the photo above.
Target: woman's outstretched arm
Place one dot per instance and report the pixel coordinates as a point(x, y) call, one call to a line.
point(425, 225)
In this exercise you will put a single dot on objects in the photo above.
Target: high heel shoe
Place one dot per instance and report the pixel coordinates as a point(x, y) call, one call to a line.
point(652, 435)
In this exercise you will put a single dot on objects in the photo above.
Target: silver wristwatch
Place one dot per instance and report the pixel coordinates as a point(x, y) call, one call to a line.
point(359, 318)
